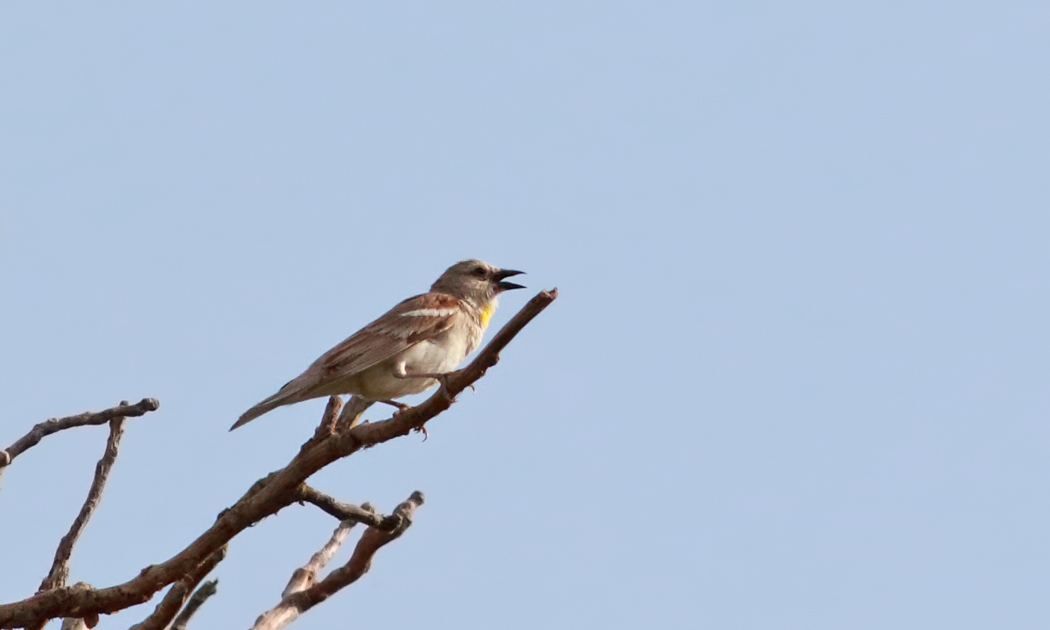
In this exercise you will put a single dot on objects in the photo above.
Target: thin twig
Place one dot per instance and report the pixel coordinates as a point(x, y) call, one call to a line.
point(196, 600)
point(172, 602)
point(296, 602)
point(47, 427)
point(306, 575)
point(56, 578)
point(278, 491)
point(327, 426)
point(345, 511)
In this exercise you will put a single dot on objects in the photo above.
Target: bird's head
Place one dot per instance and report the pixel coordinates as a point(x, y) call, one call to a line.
point(477, 282)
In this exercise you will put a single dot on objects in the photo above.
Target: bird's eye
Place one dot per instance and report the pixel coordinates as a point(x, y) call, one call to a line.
point(478, 272)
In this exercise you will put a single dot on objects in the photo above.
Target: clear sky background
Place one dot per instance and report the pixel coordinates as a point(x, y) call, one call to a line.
point(797, 376)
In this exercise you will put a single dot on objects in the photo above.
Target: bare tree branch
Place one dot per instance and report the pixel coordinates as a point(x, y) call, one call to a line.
point(89, 620)
point(172, 602)
point(327, 426)
point(47, 427)
point(306, 575)
point(303, 593)
point(274, 493)
point(59, 572)
point(79, 624)
point(197, 600)
point(346, 511)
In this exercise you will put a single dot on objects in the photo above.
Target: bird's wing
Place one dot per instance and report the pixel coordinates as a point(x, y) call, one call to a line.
point(416, 319)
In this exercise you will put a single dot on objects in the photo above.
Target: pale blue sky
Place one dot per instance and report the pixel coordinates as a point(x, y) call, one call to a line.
point(797, 376)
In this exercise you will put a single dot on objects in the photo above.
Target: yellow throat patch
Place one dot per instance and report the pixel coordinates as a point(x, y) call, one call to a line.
point(486, 313)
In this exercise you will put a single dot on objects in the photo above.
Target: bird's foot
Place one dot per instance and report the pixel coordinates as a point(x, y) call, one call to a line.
point(423, 430)
point(444, 391)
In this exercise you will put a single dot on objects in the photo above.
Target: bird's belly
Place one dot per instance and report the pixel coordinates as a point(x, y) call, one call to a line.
point(380, 382)
point(433, 357)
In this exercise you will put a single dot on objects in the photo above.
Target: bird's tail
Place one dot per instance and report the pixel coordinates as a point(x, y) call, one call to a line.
point(352, 412)
point(286, 396)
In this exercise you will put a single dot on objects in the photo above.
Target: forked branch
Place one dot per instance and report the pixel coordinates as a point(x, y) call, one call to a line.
point(172, 602)
point(47, 427)
point(59, 572)
point(304, 591)
point(197, 600)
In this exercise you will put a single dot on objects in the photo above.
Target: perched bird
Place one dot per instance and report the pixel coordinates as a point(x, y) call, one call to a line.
point(407, 350)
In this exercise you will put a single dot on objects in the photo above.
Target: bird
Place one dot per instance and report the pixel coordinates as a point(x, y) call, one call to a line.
point(407, 350)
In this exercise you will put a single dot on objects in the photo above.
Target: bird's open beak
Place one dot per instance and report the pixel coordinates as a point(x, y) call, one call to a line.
point(506, 273)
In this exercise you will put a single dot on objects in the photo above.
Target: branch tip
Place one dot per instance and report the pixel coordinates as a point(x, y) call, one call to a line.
point(54, 425)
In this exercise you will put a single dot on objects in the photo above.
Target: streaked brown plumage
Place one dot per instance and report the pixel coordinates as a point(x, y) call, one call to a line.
point(399, 353)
